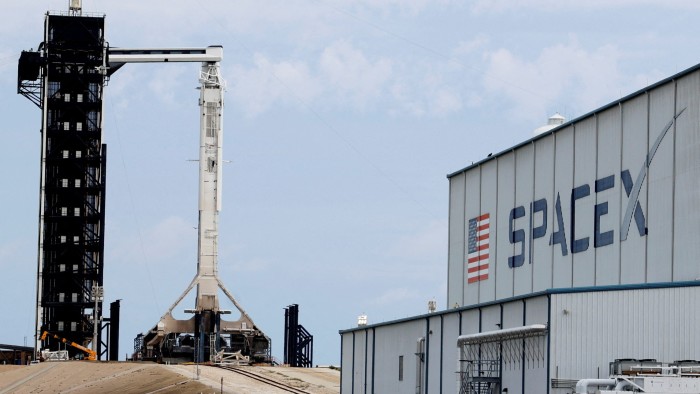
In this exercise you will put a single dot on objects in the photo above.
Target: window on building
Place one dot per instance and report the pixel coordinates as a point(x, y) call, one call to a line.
point(54, 87)
point(79, 98)
point(73, 326)
point(66, 97)
point(79, 126)
point(64, 211)
point(92, 92)
point(76, 239)
point(93, 120)
point(66, 126)
point(78, 154)
point(60, 326)
point(400, 368)
point(66, 154)
point(63, 239)
point(74, 297)
point(64, 182)
point(62, 268)
point(61, 297)
point(76, 212)
point(77, 183)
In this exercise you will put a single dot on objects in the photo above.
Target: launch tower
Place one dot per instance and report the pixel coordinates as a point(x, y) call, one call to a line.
point(65, 77)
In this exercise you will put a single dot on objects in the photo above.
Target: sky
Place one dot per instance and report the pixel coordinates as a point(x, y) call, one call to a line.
point(342, 119)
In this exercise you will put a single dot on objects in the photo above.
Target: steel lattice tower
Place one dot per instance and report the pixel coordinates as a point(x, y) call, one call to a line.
point(65, 78)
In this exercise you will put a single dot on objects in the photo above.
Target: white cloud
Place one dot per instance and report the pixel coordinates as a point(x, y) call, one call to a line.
point(265, 83)
point(351, 75)
point(470, 46)
point(445, 101)
point(344, 74)
point(563, 76)
point(429, 94)
point(480, 6)
point(161, 83)
point(121, 89)
point(410, 7)
point(318, 65)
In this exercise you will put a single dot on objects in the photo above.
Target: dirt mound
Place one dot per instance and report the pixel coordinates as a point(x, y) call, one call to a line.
point(130, 377)
point(95, 377)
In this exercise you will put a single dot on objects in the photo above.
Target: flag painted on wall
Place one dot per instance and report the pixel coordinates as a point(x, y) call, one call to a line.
point(478, 249)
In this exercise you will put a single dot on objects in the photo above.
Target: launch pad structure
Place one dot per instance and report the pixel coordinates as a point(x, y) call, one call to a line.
point(66, 77)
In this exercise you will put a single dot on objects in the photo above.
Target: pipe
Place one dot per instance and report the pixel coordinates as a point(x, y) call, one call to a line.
point(582, 385)
point(622, 384)
point(420, 343)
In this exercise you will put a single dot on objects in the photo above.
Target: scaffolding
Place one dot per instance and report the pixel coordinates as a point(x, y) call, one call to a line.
point(483, 356)
point(65, 78)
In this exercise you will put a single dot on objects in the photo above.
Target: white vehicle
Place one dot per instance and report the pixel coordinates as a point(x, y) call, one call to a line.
point(646, 376)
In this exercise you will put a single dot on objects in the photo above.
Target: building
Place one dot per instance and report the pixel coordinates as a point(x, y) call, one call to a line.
point(15, 355)
point(566, 252)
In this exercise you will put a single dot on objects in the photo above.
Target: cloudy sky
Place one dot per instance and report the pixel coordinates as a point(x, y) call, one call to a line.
point(342, 119)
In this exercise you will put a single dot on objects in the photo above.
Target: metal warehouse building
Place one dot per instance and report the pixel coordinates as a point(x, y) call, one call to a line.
point(566, 252)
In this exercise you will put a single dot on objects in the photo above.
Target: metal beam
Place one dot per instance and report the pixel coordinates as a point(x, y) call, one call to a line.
point(18, 348)
point(118, 56)
point(502, 335)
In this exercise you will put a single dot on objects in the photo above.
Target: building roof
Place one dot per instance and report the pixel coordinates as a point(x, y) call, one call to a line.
point(580, 118)
point(14, 347)
point(548, 292)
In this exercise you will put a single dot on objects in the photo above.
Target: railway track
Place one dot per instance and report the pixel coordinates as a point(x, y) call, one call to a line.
point(263, 379)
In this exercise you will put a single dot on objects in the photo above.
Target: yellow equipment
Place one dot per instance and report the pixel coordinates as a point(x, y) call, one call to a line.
point(91, 355)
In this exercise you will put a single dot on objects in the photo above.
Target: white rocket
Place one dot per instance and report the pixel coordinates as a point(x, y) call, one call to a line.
point(206, 321)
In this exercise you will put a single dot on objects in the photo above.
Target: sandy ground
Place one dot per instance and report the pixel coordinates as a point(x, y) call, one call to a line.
point(312, 380)
point(120, 377)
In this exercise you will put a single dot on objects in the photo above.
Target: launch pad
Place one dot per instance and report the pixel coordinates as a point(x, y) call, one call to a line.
point(205, 336)
point(66, 78)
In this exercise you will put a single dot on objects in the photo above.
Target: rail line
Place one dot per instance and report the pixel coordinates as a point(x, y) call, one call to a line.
point(264, 379)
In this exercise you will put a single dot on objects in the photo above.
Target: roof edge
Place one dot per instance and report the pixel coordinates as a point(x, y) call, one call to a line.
point(566, 290)
point(580, 118)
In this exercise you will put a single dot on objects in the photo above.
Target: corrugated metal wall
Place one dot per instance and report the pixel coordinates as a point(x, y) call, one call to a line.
point(372, 366)
point(455, 272)
point(578, 189)
point(588, 330)
point(686, 227)
point(588, 174)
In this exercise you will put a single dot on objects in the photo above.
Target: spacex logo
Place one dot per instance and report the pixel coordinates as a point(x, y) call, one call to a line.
point(538, 211)
point(633, 203)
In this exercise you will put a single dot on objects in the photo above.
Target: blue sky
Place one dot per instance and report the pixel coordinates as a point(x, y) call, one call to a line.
point(342, 119)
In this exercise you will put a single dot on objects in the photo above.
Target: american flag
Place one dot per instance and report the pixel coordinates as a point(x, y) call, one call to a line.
point(478, 249)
